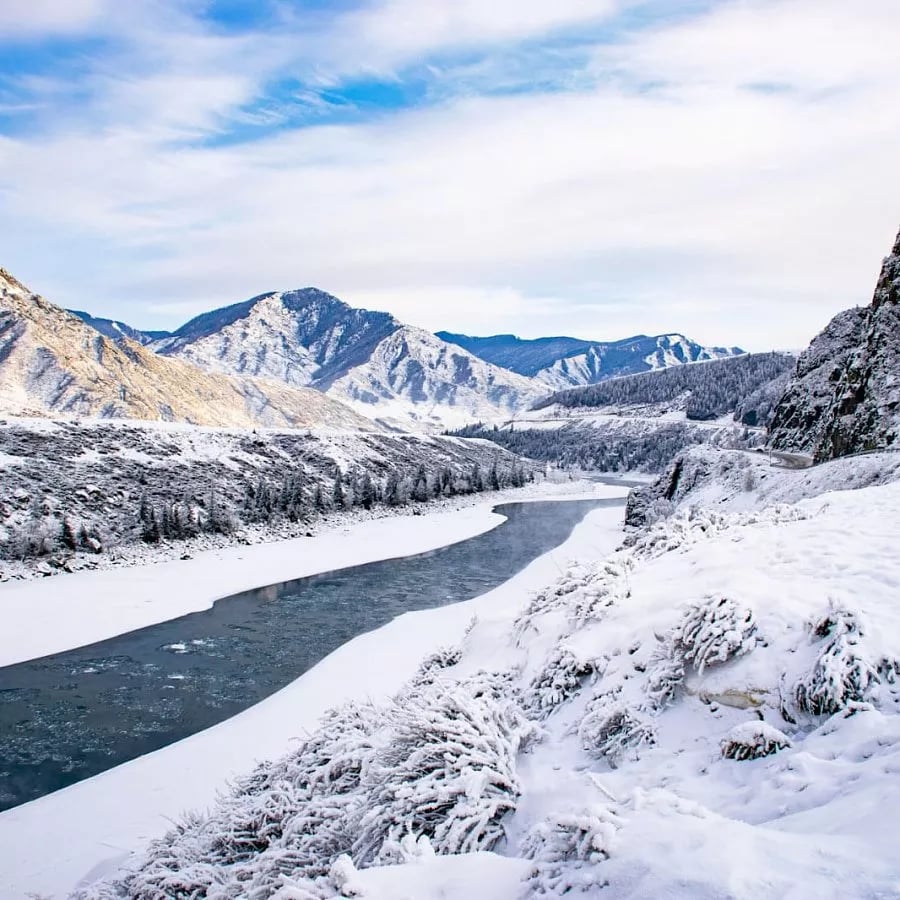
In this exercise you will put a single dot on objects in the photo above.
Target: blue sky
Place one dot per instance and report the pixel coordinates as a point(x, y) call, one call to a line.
point(594, 167)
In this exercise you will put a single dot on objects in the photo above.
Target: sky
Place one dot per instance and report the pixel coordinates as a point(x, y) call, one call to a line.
point(597, 168)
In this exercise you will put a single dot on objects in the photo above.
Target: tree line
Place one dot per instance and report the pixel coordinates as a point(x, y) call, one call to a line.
point(715, 388)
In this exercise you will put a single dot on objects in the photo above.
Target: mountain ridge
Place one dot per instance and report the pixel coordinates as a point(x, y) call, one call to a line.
point(562, 361)
point(397, 372)
point(53, 362)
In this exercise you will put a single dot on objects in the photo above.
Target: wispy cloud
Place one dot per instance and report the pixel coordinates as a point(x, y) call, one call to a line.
point(591, 167)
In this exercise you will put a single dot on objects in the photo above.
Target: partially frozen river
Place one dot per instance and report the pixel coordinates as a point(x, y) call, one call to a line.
point(71, 715)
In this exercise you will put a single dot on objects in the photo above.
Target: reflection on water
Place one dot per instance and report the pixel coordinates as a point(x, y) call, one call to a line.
point(69, 716)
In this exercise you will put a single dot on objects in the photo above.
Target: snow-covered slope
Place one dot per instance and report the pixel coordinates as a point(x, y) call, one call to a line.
point(713, 711)
point(562, 362)
point(72, 492)
point(737, 480)
point(386, 369)
point(52, 362)
point(414, 375)
point(845, 396)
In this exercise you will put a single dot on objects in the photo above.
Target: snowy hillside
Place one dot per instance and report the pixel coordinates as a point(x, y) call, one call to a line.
point(562, 362)
point(749, 385)
point(640, 422)
point(387, 370)
point(738, 480)
point(51, 362)
point(712, 711)
point(845, 396)
point(76, 494)
point(414, 376)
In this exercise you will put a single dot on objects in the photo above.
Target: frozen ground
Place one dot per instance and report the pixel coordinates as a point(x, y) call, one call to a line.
point(95, 824)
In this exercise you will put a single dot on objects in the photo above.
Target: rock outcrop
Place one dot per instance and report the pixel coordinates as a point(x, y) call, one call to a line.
point(845, 395)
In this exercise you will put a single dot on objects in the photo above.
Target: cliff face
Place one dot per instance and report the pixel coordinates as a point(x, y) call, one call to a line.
point(845, 395)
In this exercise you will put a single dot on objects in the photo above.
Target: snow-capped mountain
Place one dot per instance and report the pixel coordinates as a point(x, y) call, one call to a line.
point(53, 362)
point(561, 362)
point(845, 394)
point(368, 359)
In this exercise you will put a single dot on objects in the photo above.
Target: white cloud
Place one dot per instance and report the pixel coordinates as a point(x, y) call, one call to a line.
point(36, 17)
point(736, 215)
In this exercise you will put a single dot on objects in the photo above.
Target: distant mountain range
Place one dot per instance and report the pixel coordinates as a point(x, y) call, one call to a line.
point(561, 362)
point(397, 373)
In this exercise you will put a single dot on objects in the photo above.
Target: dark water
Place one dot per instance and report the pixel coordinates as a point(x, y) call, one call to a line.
point(71, 715)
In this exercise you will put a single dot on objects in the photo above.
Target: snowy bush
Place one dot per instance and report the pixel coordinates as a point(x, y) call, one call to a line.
point(567, 850)
point(431, 667)
point(714, 631)
point(448, 772)
point(665, 674)
point(753, 740)
point(559, 678)
point(613, 730)
point(433, 771)
point(841, 674)
point(288, 820)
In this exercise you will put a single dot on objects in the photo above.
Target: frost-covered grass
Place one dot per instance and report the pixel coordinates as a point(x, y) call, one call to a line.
point(713, 713)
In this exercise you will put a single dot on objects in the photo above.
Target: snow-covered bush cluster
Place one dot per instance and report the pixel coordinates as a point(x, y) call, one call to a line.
point(714, 631)
point(614, 730)
point(437, 765)
point(842, 673)
point(561, 676)
point(567, 849)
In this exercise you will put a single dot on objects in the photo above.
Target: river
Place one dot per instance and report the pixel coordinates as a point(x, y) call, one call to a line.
point(74, 714)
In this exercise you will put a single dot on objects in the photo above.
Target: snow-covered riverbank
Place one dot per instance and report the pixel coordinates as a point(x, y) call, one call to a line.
point(49, 615)
point(96, 823)
point(711, 711)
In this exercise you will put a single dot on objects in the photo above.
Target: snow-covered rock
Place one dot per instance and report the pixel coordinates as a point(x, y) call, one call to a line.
point(845, 396)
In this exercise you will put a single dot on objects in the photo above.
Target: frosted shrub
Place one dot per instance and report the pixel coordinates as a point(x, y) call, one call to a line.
point(567, 850)
point(559, 679)
point(448, 772)
point(753, 740)
point(665, 674)
point(714, 631)
point(287, 820)
point(613, 730)
point(431, 667)
point(841, 674)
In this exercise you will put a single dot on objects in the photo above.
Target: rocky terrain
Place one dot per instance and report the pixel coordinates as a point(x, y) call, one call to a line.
point(845, 396)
